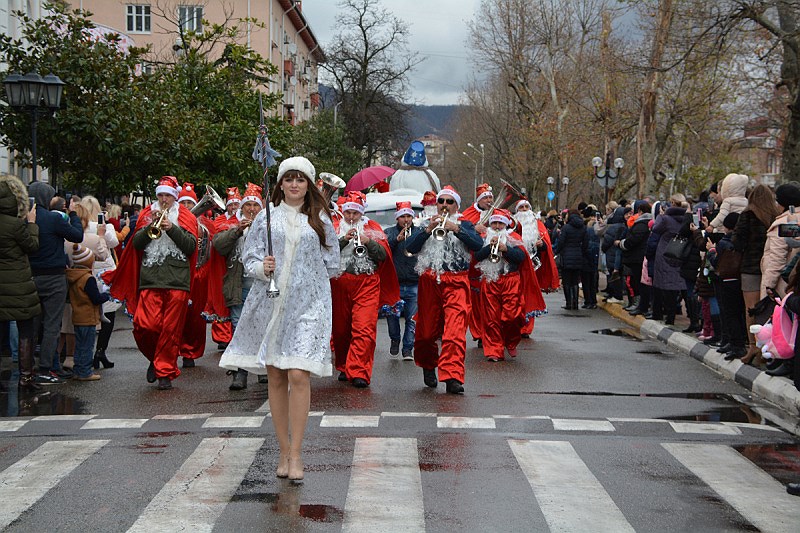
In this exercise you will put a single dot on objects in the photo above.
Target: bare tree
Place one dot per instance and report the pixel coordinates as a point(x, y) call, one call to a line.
point(369, 63)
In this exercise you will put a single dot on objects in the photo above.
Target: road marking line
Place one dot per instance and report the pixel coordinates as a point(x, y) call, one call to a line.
point(114, 423)
point(522, 417)
point(763, 427)
point(463, 422)
point(197, 494)
point(234, 422)
point(316, 413)
point(11, 425)
point(344, 421)
point(574, 424)
point(194, 416)
point(389, 414)
point(648, 420)
point(756, 495)
point(708, 429)
point(58, 418)
point(385, 492)
point(29, 479)
point(569, 495)
point(264, 408)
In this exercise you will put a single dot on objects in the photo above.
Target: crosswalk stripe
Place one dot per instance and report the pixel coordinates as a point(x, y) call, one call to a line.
point(756, 495)
point(385, 492)
point(29, 479)
point(198, 493)
point(11, 425)
point(569, 495)
point(566, 424)
point(708, 429)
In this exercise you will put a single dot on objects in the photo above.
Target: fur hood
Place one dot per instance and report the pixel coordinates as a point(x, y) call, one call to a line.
point(734, 185)
point(13, 196)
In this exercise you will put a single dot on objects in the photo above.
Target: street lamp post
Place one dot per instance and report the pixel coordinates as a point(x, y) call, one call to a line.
point(475, 181)
point(607, 177)
point(40, 96)
point(483, 160)
point(564, 187)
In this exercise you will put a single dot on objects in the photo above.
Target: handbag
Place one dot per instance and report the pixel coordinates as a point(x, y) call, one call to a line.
point(678, 249)
point(729, 265)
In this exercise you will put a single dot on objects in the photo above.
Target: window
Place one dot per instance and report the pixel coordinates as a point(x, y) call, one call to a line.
point(138, 18)
point(191, 18)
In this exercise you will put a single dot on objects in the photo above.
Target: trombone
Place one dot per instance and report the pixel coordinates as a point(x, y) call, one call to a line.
point(439, 232)
point(154, 229)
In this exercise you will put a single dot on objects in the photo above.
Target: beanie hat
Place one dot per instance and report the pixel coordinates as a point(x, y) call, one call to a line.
point(403, 208)
point(82, 256)
point(298, 163)
point(253, 194)
point(187, 193)
point(788, 194)
point(169, 185)
point(730, 220)
point(483, 190)
point(714, 188)
point(582, 206)
point(448, 190)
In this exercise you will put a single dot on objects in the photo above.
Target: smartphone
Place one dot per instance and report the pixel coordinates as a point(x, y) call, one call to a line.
point(788, 230)
point(101, 218)
point(696, 219)
point(31, 202)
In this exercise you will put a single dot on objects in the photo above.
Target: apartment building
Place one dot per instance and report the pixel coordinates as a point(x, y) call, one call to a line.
point(286, 38)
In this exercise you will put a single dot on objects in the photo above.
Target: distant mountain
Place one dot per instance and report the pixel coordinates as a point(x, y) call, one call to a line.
point(435, 119)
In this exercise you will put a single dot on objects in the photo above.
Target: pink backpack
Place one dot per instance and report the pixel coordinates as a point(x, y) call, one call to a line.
point(784, 330)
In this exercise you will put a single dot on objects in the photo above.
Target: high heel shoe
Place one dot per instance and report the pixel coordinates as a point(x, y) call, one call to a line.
point(295, 468)
point(283, 467)
point(100, 357)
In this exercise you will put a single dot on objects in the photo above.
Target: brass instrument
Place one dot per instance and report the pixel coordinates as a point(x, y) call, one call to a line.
point(407, 232)
point(537, 263)
point(154, 229)
point(330, 184)
point(494, 251)
point(439, 232)
point(508, 196)
point(210, 200)
point(359, 250)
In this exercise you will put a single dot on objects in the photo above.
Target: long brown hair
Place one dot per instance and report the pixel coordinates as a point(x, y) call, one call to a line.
point(762, 203)
point(313, 204)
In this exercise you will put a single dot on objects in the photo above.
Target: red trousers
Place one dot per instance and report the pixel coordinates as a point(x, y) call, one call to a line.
point(158, 326)
point(476, 319)
point(527, 329)
point(443, 311)
point(502, 314)
point(356, 299)
point(194, 328)
point(221, 332)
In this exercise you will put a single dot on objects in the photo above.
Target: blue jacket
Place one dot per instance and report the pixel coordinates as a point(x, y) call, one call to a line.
point(514, 256)
point(615, 231)
point(592, 249)
point(53, 229)
point(403, 265)
point(467, 235)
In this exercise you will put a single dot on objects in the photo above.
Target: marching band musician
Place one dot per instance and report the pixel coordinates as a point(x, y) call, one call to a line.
point(443, 256)
point(428, 203)
point(229, 244)
point(221, 330)
point(537, 243)
point(405, 265)
point(155, 276)
point(484, 197)
point(510, 294)
point(366, 286)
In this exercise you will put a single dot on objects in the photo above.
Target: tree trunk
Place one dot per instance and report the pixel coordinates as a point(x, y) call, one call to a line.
point(790, 77)
point(646, 131)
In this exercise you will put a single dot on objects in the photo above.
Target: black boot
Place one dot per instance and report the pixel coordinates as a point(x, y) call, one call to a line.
point(567, 298)
point(575, 297)
point(239, 380)
point(100, 357)
point(25, 362)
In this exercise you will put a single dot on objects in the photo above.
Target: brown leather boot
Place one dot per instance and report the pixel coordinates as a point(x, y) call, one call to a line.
point(26, 376)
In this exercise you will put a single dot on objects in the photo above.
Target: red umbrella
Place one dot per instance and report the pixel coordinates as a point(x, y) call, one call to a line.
point(364, 179)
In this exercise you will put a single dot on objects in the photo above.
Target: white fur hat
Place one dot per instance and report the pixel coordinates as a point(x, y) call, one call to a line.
point(298, 163)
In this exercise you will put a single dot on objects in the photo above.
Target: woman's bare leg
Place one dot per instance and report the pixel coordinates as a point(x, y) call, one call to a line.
point(751, 298)
point(278, 390)
point(299, 405)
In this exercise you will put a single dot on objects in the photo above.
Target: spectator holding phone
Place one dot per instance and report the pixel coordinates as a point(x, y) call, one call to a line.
point(777, 252)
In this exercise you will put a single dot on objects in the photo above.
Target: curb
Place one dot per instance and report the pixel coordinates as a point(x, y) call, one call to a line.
point(777, 390)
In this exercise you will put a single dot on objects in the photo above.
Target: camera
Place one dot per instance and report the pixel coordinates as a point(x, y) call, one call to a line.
point(788, 230)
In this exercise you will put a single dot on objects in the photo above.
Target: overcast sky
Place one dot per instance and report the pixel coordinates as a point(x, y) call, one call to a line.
point(438, 32)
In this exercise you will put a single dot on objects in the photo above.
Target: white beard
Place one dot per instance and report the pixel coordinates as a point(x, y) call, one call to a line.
point(430, 211)
point(492, 271)
point(437, 255)
point(347, 259)
point(530, 229)
point(163, 247)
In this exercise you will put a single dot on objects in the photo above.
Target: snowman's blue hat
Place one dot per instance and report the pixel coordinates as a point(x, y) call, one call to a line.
point(415, 155)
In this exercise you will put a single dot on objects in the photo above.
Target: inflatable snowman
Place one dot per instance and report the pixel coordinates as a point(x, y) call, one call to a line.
point(414, 172)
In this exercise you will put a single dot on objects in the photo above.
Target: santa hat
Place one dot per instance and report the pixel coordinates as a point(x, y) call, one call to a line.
point(341, 200)
point(187, 193)
point(429, 198)
point(82, 256)
point(169, 185)
point(403, 208)
point(355, 201)
point(233, 196)
point(253, 194)
point(298, 163)
point(448, 190)
point(483, 190)
point(520, 204)
point(501, 215)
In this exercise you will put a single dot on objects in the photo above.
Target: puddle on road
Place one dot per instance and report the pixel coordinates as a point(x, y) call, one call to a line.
point(618, 332)
point(44, 402)
point(781, 461)
point(287, 504)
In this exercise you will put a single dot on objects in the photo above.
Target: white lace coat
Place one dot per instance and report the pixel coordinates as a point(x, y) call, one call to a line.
point(293, 330)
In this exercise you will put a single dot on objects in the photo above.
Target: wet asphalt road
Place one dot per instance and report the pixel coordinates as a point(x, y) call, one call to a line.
point(468, 452)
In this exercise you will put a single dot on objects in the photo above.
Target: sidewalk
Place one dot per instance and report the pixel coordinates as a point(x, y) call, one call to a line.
point(777, 390)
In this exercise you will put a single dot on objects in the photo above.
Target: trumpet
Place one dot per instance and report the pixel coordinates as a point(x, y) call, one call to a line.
point(537, 263)
point(359, 250)
point(439, 232)
point(407, 233)
point(494, 251)
point(154, 229)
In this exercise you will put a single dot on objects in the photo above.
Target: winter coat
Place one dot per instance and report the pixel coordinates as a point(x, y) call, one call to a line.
point(634, 244)
point(776, 255)
point(691, 267)
point(749, 237)
point(18, 297)
point(573, 244)
point(593, 246)
point(667, 272)
point(650, 251)
point(50, 259)
point(614, 232)
point(404, 266)
point(734, 200)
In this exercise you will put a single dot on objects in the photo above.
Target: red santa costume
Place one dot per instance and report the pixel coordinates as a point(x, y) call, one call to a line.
point(367, 285)
point(216, 311)
point(153, 282)
point(474, 214)
point(536, 241)
point(510, 294)
point(443, 300)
